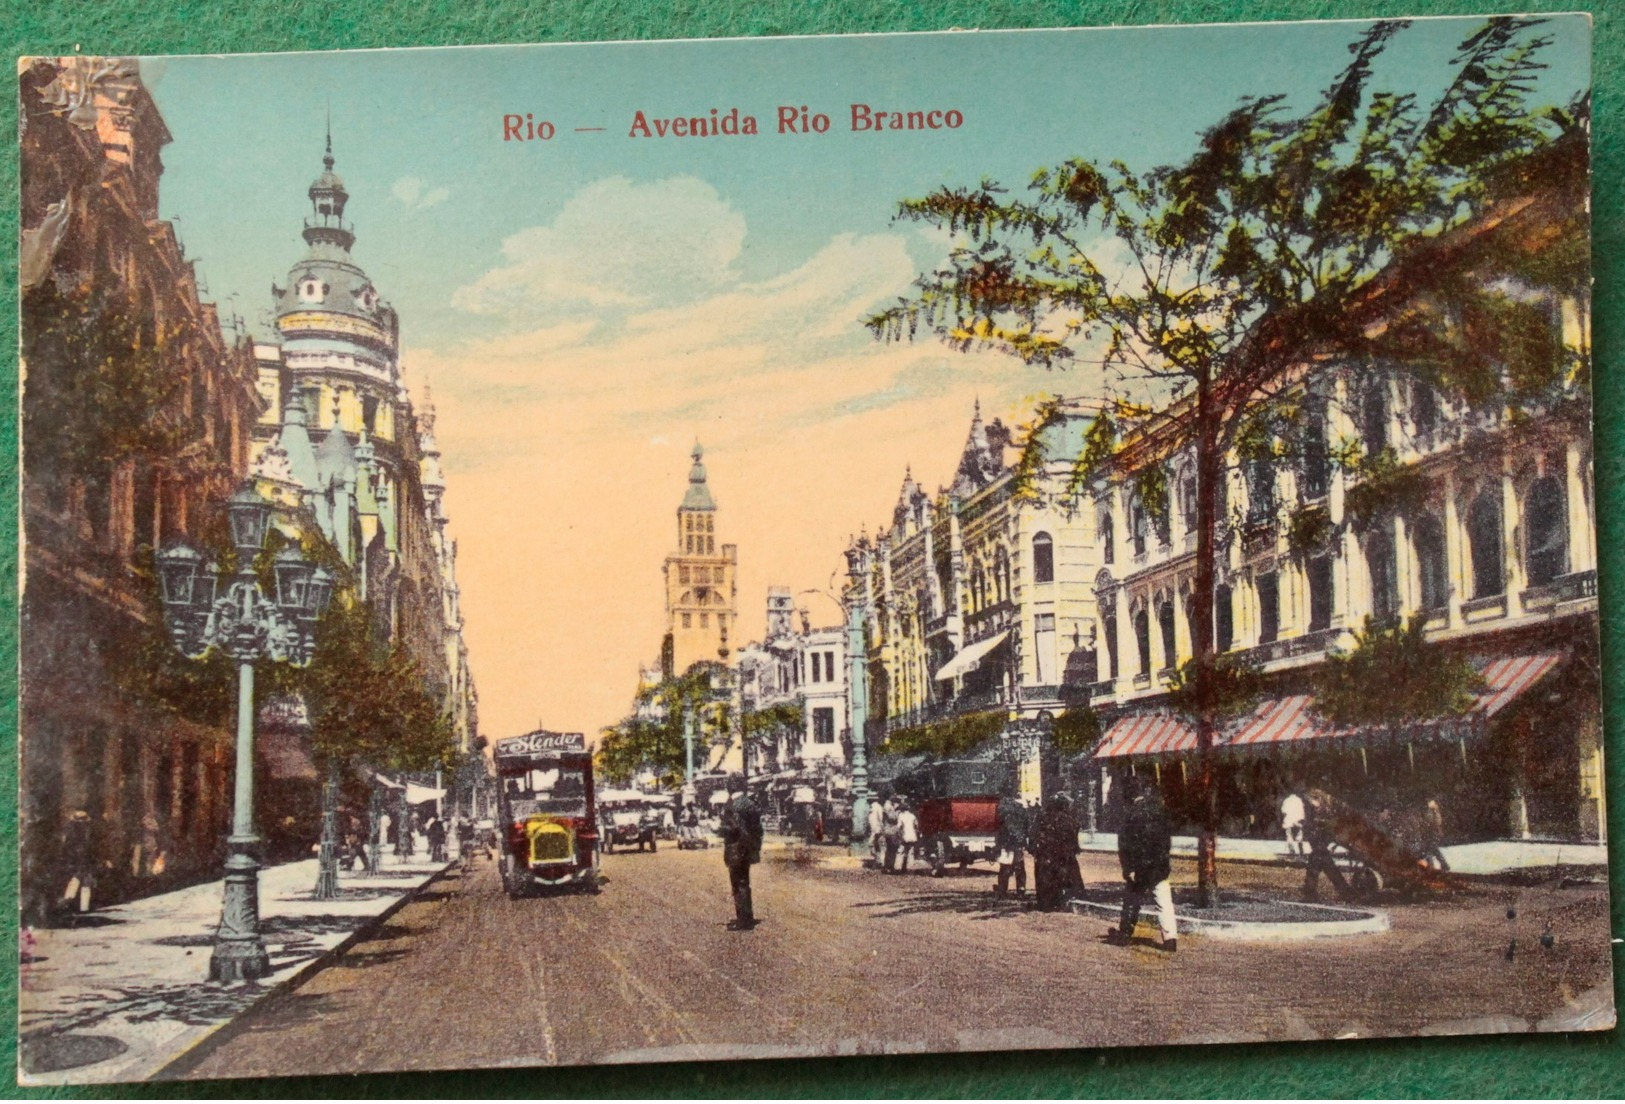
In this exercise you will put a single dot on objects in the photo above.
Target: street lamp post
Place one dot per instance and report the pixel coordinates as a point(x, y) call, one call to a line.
point(247, 626)
point(689, 793)
point(857, 696)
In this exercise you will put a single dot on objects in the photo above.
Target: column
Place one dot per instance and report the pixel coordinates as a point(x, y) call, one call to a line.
point(1454, 557)
point(1512, 553)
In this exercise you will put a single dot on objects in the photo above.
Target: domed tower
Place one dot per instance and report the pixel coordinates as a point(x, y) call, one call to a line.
point(701, 584)
point(336, 355)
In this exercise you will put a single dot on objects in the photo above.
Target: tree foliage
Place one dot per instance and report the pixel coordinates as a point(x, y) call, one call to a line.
point(652, 736)
point(1394, 677)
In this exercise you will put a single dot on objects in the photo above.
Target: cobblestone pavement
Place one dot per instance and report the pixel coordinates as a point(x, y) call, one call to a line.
point(849, 960)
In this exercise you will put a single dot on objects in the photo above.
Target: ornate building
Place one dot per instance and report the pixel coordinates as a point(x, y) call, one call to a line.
point(1022, 607)
point(136, 418)
point(701, 582)
point(340, 439)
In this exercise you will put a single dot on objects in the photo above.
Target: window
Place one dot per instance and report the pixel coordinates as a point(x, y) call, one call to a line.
point(705, 620)
point(369, 413)
point(817, 669)
point(683, 574)
point(1484, 541)
point(1137, 525)
point(1165, 625)
point(829, 666)
point(1379, 556)
point(1108, 541)
point(1318, 573)
point(1427, 535)
point(1044, 647)
point(688, 620)
point(1043, 559)
point(1374, 416)
point(1424, 409)
point(1109, 629)
point(1260, 490)
point(824, 725)
point(1316, 462)
point(1545, 519)
point(1268, 586)
point(1224, 618)
point(1187, 502)
point(1142, 637)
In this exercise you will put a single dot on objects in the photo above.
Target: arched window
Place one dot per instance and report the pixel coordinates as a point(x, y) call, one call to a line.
point(1043, 558)
point(1318, 574)
point(1268, 586)
point(1108, 539)
point(1108, 628)
point(1224, 618)
point(1316, 462)
point(1484, 540)
point(1545, 520)
point(1374, 415)
point(1165, 625)
point(1427, 535)
point(1142, 637)
point(1137, 523)
point(1001, 573)
point(1260, 490)
point(1379, 558)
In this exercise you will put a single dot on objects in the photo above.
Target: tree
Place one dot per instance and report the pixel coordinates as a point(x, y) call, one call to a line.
point(369, 704)
point(1393, 679)
point(1364, 234)
point(652, 736)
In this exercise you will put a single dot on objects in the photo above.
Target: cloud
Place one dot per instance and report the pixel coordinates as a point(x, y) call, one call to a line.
point(412, 194)
point(615, 244)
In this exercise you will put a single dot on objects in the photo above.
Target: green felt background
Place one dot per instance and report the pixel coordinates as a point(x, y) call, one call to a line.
point(1579, 1065)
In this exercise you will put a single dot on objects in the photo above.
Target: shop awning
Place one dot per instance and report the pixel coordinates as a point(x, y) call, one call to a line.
point(969, 656)
point(1147, 734)
point(1292, 718)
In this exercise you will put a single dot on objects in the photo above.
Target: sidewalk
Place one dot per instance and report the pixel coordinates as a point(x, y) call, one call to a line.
point(1494, 857)
point(124, 992)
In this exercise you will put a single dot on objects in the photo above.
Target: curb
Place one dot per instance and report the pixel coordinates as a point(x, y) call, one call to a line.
point(1355, 922)
point(174, 1067)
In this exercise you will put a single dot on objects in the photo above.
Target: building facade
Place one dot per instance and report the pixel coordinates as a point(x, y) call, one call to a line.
point(137, 413)
point(1378, 500)
point(340, 443)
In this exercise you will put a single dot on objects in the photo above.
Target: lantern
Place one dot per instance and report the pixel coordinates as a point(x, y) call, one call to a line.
point(177, 575)
point(250, 513)
point(320, 592)
point(292, 580)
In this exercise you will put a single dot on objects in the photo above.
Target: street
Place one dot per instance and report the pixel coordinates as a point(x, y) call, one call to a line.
point(850, 961)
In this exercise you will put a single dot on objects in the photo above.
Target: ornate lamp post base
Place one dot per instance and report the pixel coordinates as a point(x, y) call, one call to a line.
point(239, 952)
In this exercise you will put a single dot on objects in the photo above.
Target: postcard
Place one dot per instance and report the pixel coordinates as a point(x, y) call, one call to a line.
point(657, 551)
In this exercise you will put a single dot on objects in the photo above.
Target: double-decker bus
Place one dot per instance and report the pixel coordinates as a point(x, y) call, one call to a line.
point(547, 815)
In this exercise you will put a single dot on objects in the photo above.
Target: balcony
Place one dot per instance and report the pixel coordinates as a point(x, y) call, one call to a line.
point(1577, 587)
point(1290, 648)
point(1484, 609)
point(937, 711)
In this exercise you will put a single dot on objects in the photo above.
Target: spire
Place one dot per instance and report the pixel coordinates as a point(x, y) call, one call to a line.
point(326, 225)
point(699, 495)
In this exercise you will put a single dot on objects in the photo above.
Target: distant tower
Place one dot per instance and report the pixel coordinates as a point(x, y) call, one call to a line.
point(701, 580)
point(781, 608)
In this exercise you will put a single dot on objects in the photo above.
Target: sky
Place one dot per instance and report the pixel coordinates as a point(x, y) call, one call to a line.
point(585, 308)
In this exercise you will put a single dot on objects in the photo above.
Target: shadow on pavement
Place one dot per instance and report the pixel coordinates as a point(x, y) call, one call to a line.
point(981, 905)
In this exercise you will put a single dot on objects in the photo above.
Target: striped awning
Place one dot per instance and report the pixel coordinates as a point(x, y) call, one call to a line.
point(1292, 718)
point(1506, 678)
point(1147, 734)
point(970, 655)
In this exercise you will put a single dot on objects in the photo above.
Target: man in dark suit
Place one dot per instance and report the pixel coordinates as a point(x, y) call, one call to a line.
point(1144, 844)
point(741, 848)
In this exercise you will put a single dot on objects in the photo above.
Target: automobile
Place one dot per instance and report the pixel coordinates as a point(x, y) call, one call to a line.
point(958, 803)
point(547, 813)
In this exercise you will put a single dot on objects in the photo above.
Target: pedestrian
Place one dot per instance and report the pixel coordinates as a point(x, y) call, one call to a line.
point(1144, 846)
point(436, 831)
point(79, 860)
point(465, 839)
point(1320, 808)
point(1433, 835)
point(1010, 840)
point(741, 848)
point(1292, 822)
point(890, 830)
point(1054, 844)
point(877, 831)
point(606, 831)
point(648, 825)
point(908, 833)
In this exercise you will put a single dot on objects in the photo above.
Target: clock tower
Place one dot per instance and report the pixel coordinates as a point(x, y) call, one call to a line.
point(701, 580)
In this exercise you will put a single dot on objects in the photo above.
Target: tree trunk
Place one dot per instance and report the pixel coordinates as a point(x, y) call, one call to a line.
point(1209, 472)
point(375, 841)
point(327, 864)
